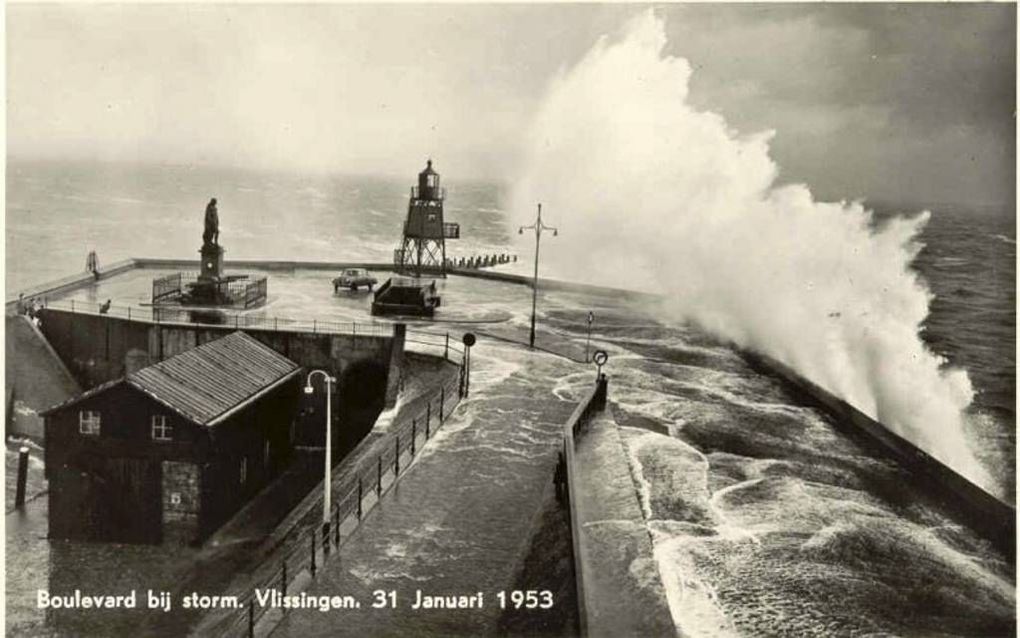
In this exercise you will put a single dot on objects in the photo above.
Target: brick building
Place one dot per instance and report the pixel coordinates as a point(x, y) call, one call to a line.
point(169, 452)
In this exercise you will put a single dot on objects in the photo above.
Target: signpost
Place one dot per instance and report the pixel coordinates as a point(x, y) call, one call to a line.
point(587, 344)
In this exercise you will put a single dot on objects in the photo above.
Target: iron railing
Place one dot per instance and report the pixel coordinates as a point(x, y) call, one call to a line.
point(311, 544)
point(440, 344)
point(437, 343)
point(167, 287)
point(437, 192)
point(243, 290)
point(219, 318)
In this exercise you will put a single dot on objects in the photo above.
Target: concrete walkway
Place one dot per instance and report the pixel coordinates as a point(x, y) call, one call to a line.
point(461, 520)
point(250, 546)
point(264, 544)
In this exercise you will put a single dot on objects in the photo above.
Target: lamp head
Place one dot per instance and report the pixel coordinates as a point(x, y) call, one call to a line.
point(309, 389)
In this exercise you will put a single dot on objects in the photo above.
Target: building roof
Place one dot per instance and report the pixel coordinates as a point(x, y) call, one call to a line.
point(207, 382)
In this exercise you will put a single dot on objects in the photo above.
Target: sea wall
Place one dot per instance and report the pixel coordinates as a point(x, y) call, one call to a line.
point(969, 504)
point(99, 348)
point(973, 506)
point(70, 283)
point(76, 282)
point(619, 591)
point(35, 377)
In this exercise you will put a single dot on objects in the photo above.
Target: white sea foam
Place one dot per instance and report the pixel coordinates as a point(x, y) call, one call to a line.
point(673, 197)
point(693, 603)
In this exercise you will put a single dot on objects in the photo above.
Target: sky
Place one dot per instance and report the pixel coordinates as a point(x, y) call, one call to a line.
point(903, 103)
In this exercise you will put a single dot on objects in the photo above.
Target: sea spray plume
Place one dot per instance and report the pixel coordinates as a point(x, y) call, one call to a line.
point(647, 190)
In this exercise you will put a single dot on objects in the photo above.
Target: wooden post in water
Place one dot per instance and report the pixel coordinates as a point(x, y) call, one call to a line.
point(283, 579)
point(414, 433)
point(251, 617)
point(19, 498)
point(378, 483)
point(359, 498)
point(442, 403)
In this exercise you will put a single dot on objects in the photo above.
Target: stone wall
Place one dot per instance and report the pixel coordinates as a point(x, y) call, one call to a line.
point(99, 348)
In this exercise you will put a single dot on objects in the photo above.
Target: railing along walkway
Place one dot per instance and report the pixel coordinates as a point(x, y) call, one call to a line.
point(304, 551)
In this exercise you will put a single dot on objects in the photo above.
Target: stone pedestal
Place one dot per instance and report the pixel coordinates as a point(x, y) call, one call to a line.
point(212, 262)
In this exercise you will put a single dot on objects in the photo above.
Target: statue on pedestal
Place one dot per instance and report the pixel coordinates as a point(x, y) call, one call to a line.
point(212, 252)
point(211, 236)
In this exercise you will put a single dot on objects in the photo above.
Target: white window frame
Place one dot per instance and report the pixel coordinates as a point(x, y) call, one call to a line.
point(159, 425)
point(89, 422)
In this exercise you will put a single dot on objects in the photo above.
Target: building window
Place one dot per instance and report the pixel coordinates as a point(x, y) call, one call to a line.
point(88, 422)
point(160, 430)
point(244, 469)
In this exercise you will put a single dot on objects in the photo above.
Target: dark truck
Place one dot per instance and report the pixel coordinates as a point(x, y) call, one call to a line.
point(405, 296)
point(353, 278)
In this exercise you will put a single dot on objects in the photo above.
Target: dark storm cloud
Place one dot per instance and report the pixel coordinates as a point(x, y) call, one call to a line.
point(912, 102)
point(937, 63)
point(903, 101)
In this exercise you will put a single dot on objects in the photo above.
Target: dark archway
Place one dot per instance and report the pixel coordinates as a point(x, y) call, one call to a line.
point(362, 396)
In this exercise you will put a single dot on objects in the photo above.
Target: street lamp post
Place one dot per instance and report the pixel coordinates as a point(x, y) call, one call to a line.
point(538, 227)
point(327, 482)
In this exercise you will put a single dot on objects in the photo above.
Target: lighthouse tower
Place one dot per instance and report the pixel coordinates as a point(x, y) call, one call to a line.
point(423, 248)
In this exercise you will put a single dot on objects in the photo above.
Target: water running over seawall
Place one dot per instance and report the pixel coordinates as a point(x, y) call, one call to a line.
point(658, 195)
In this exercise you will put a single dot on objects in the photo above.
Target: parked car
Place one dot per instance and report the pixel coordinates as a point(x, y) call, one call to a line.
point(354, 278)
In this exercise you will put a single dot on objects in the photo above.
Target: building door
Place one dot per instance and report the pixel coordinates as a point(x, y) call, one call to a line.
point(130, 506)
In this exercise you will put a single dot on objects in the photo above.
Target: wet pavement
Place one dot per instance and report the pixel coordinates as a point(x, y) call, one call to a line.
point(764, 518)
point(461, 520)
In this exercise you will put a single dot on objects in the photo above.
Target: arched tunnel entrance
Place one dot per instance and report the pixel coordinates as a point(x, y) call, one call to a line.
point(358, 397)
point(361, 397)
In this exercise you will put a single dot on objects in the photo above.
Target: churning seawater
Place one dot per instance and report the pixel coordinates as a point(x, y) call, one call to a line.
point(765, 520)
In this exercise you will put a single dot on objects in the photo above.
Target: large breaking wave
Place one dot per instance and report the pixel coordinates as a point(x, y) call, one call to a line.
point(651, 192)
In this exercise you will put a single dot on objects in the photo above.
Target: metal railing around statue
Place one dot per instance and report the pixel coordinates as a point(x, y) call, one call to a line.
point(243, 290)
point(308, 547)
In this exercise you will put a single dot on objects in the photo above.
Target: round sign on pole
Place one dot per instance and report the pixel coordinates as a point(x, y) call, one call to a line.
point(469, 339)
point(600, 357)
